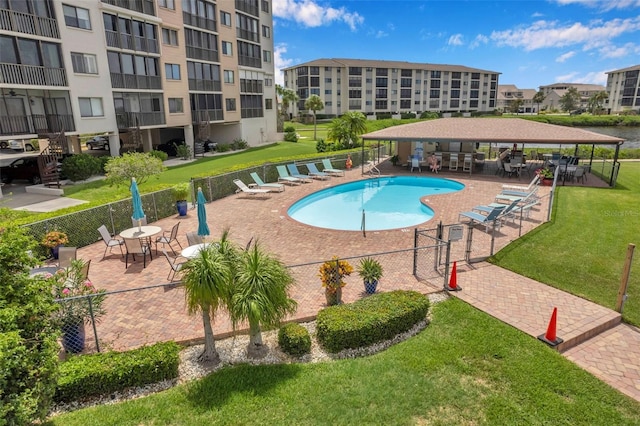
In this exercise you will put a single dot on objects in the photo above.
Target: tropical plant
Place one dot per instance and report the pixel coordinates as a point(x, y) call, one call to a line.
point(370, 269)
point(137, 165)
point(338, 132)
point(356, 122)
point(287, 97)
point(596, 100)
point(570, 100)
point(332, 273)
point(28, 336)
point(54, 239)
point(183, 151)
point(207, 280)
point(260, 295)
point(538, 98)
point(515, 105)
point(545, 173)
point(314, 103)
point(180, 191)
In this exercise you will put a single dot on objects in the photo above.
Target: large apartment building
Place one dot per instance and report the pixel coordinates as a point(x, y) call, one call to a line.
point(509, 94)
point(375, 87)
point(623, 88)
point(141, 71)
point(554, 92)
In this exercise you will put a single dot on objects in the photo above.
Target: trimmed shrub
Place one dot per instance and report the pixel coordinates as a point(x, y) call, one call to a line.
point(103, 161)
point(103, 373)
point(239, 144)
point(289, 129)
point(321, 146)
point(161, 155)
point(80, 167)
point(291, 137)
point(294, 339)
point(367, 321)
point(225, 147)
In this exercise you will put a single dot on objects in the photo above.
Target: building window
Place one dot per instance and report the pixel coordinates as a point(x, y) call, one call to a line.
point(176, 105)
point(172, 71)
point(169, 37)
point(230, 104)
point(268, 104)
point(84, 63)
point(167, 4)
point(225, 18)
point(227, 48)
point(265, 6)
point(90, 107)
point(76, 17)
point(268, 82)
point(266, 55)
point(228, 76)
point(266, 31)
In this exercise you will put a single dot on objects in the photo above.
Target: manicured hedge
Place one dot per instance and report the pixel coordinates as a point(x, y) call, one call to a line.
point(371, 320)
point(294, 339)
point(103, 373)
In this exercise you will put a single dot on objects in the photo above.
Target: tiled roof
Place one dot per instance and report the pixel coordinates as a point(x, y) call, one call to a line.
point(490, 130)
point(633, 68)
point(375, 63)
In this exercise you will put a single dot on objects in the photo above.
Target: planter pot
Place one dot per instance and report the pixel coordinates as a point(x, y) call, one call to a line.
point(55, 250)
point(370, 286)
point(546, 181)
point(333, 297)
point(181, 206)
point(73, 337)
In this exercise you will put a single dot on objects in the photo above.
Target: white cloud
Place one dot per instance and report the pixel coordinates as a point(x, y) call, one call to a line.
point(596, 77)
point(391, 26)
point(455, 40)
point(611, 51)
point(279, 62)
point(480, 39)
point(381, 34)
point(543, 34)
point(310, 14)
point(565, 56)
point(537, 15)
point(604, 5)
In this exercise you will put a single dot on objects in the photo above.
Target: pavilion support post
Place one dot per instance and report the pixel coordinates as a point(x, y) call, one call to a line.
point(613, 168)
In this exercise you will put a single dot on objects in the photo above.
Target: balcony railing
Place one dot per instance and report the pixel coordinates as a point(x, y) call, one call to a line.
point(130, 81)
point(198, 21)
point(247, 35)
point(36, 124)
point(11, 20)
point(131, 119)
point(202, 54)
point(32, 75)
point(142, 6)
point(205, 85)
point(207, 115)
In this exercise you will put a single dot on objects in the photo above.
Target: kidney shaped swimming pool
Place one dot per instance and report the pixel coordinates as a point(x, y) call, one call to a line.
point(388, 203)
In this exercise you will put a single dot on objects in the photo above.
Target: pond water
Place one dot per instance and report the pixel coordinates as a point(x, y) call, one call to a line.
point(630, 134)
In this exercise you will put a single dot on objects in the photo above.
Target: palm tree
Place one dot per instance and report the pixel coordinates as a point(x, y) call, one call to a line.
point(287, 97)
point(596, 100)
point(538, 98)
point(314, 103)
point(356, 123)
point(260, 296)
point(207, 279)
point(338, 131)
point(570, 100)
point(515, 105)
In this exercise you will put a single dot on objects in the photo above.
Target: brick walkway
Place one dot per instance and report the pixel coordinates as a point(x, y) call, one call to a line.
point(140, 317)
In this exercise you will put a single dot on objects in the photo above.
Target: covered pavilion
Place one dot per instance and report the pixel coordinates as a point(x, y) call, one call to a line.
point(459, 135)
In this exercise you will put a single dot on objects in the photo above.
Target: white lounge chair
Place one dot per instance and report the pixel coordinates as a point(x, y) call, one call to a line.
point(273, 187)
point(244, 189)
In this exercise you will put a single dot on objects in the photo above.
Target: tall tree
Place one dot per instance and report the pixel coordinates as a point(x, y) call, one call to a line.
point(287, 97)
point(260, 295)
point(207, 282)
point(570, 100)
point(538, 98)
point(596, 100)
point(356, 122)
point(314, 103)
point(514, 105)
point(338, 132)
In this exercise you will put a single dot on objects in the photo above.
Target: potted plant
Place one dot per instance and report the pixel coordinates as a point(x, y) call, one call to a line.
point(54, 240)
point(180, 194)
point(546, 176)
point(370, 270)
point(69, 285)
point(332, 273)
point(395, 159)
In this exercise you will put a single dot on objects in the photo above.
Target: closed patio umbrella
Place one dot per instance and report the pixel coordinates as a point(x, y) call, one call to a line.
point(138, 213)
point(203, 228)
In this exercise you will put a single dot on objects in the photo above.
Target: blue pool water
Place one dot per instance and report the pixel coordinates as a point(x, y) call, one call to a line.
point(389, 203)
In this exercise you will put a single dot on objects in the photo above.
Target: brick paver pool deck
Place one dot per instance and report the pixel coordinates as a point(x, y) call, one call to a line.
point(594, 337)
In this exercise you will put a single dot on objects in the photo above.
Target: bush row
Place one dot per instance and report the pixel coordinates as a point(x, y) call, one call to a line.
point(103, 373)
point(371, 320)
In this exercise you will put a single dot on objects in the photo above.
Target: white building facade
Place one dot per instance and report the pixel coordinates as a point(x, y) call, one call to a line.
point(623, 88)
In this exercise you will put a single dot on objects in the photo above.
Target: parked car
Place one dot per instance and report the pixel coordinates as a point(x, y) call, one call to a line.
point(22, 168)
point(17, 145)
point(210, 145)
point(170, 146)
point(98, 142)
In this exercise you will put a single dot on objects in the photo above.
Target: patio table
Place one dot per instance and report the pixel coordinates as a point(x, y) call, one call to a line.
point(142, 232)
point(192, 251)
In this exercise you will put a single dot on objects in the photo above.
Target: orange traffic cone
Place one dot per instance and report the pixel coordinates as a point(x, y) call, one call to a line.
point(550, 337)
point(453, 281)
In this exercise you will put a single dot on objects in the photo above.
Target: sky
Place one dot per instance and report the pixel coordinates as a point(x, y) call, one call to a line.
point(531, 43)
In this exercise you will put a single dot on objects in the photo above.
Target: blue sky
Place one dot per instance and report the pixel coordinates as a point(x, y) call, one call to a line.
point(531, 43)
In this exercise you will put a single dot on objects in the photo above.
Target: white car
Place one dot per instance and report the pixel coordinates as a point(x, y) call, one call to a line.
point(20, 145)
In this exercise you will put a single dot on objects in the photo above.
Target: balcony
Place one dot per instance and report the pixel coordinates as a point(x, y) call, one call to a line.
point(32, 75)
point(130, 81)
point(202, 54)
point(205, 85)
point(207, 115)
point(132, 119)
point(198, 21)
point(11, 20)
point(142, 6)
point(36, 124)
point(247, 35)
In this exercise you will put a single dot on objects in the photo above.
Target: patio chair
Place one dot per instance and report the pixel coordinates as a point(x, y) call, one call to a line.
point(293, 170)
point(508, 171)
point(244, 189)
point(193, 238)
point(578, 174)
point(84, 272)
point(499, 167)
point(315, 173)
point(467, 163)
point(415, 164)
point(135, 246)
point(273, 187)
point(488, 220)
point(66, 255)
point(328, 168)
point(168, 237)
point(453, 161)
point(284, 177)
point(174, 263)
point(109, 241)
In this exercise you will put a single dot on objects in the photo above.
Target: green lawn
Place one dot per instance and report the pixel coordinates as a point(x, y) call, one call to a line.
point(583, 249)
point(465, 368)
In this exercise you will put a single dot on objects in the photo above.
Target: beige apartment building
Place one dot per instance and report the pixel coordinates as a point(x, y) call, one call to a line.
point(509, 93)
point(142, 72)
point(382, 87)
point(623, 88)
point(554, 92)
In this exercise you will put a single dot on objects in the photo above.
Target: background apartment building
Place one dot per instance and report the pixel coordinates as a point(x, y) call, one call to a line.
point(374, 87)
point(509, 95)
point(142, 71)
point(554, 92)
point(623, 88)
